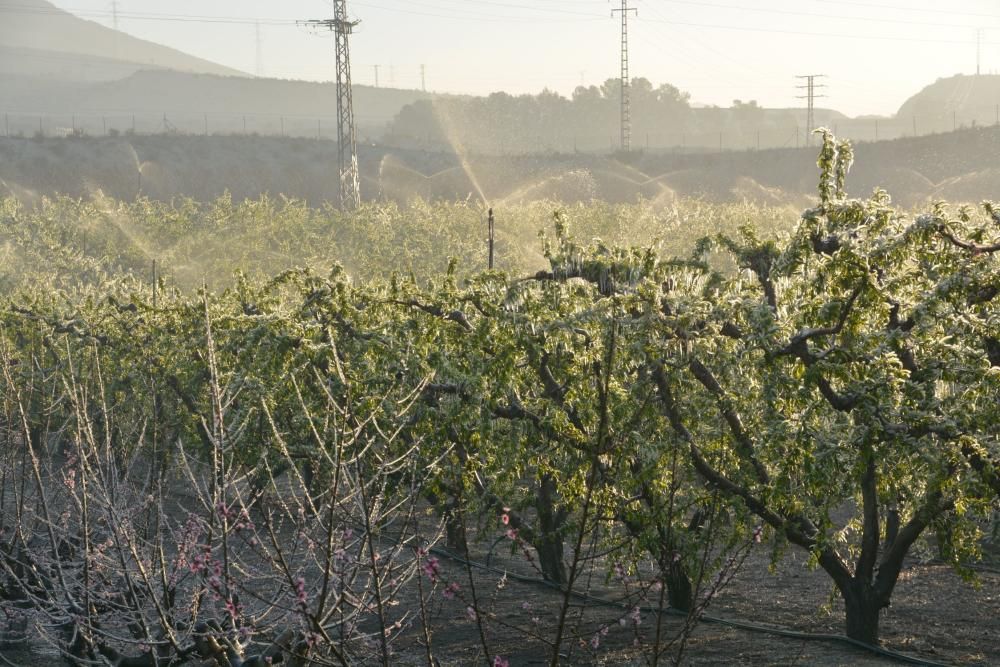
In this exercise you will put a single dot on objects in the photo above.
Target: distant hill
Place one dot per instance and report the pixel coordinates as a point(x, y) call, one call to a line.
point(186, 97)
point(960, 99)
point(39, 39)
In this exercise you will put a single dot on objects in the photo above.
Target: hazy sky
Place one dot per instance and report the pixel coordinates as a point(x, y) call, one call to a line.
point(876, 53)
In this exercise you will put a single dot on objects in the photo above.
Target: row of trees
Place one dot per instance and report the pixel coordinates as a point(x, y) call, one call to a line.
point(520, 123)
point(242, 477)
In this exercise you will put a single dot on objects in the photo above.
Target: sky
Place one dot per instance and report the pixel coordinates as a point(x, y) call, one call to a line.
point(874, 53)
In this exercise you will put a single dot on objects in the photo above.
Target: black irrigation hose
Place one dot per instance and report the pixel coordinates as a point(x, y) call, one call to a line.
point(742, 625)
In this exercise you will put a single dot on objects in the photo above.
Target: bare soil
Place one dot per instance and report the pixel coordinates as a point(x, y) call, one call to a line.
point(935, 616)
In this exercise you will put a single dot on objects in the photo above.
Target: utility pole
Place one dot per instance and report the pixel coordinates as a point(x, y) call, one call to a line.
point(810, 87)
point(979, 50)
point(491, 222)
point(423, 78)
point(260, 50)
point(114, 24)
point(626, 131)
point(347, 145)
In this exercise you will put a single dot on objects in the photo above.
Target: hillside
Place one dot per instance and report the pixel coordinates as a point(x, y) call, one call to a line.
point(961, 99)
point(39, 39)
point(186, 97)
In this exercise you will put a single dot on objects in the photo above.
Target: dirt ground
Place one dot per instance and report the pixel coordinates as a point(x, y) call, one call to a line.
point(935, 617)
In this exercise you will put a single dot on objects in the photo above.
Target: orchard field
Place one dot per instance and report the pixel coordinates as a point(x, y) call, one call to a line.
point(261, 433)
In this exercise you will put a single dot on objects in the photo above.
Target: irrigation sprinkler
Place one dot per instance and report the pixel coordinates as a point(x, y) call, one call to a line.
point(492, 228)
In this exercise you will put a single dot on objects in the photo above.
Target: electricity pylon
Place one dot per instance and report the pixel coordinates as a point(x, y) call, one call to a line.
point(810, 97)
point(626, 138)
point(347, 143)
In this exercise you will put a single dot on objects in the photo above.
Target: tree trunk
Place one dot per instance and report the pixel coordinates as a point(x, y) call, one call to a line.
point(455, 528)
point(549, 542)
point(680, 591)
point(863, 608)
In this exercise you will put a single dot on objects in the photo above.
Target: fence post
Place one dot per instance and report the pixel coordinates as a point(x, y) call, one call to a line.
point(41, 130)
point(282, 126)
point(206, 125)
point(914, 126)
point(133, 123)
point(244, 125)
point(6, 126)
point(319, 128)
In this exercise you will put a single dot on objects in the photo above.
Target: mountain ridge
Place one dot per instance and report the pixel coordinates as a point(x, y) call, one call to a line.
point(47, 33)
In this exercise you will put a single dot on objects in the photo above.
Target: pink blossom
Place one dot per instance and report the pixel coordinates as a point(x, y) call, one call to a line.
point(451, 590)
point(500, 662)
point(471, 613)
point(432, 568)
point(232, 609)
point(300, 591)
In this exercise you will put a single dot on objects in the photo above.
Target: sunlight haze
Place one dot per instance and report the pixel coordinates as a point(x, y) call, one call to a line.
point(876, 54)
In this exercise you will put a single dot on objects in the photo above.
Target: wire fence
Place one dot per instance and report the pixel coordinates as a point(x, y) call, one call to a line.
point(859, 130)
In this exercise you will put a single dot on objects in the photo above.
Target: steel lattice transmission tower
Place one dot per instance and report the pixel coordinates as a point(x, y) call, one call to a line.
point(810, 87)
point(347, 143)
point(626, 138)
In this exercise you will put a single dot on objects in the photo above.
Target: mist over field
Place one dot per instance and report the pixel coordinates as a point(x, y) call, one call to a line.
point(488, 332)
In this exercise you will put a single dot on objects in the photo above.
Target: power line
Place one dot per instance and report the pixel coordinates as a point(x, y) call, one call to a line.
point(909, 8)
point(448, 13)
point(790, 12)
point(117, 14)
point(802, 33)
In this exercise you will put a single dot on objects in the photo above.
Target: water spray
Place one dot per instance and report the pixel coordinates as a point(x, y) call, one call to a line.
point(492, 228)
